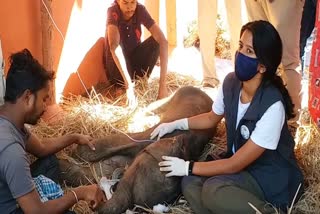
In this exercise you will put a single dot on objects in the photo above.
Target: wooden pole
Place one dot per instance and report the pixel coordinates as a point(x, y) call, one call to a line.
point(153, 8)
point(47, 53)
point(171, 14)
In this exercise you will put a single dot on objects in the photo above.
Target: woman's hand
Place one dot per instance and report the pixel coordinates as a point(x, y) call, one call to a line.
point(175, 166)
point(166, 128)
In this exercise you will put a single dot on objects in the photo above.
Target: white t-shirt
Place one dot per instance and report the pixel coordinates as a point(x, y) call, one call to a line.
point(268, 129)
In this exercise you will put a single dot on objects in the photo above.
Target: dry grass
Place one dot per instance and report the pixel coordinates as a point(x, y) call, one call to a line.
point(307, 152)
point(98, 116)
point(222, 45)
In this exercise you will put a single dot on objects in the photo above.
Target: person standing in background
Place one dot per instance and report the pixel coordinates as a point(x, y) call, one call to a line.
point(285, 16)
point(207, 16)
point(307, 25)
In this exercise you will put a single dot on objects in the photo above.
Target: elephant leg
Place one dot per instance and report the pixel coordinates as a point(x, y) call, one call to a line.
point(75, 175)
point(121, 200)
point(110, 146)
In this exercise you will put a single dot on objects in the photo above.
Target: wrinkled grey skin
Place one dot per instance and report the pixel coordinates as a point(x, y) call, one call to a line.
point(142, 182)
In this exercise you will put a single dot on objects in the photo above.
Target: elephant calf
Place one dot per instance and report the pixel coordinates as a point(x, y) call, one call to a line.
point(142, 182)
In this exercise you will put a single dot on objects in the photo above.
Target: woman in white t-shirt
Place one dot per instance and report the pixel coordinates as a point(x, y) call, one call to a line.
point(260, 166)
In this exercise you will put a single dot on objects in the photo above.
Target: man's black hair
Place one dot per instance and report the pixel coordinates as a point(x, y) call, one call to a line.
point(25, 73)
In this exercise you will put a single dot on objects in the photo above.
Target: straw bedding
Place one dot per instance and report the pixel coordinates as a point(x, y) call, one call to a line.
point(99, 116)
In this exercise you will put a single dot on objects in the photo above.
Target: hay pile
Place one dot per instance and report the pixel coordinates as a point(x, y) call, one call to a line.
point(222, 44)
point(97, 116)
point(308, 155)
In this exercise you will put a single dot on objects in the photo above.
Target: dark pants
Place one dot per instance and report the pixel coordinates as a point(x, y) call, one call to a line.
point(19, 211)
point(49, 167)
point(307, 23)
point(224, 194)
point(139, 63)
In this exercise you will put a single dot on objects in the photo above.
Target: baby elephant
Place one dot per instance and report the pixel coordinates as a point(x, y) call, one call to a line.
point(142, 182)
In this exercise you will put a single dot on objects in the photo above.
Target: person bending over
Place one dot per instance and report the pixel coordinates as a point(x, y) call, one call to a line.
point(125, 56)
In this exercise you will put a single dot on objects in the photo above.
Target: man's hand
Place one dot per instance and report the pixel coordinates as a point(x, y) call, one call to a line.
point(92, 194)
point(175, 166)
point(131, 98)
point(163, 92)
point(85, 140)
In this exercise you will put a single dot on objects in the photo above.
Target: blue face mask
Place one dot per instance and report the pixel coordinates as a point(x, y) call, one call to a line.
point(245, 67)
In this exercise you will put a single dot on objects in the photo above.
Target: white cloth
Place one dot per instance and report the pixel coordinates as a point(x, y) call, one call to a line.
point(105, 185)
point(2, 77)
point(268, 129)
point(160, 208)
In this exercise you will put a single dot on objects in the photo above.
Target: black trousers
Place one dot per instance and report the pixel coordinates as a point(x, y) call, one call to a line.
point(49, 167)
point(307, 22)
point(139, 63)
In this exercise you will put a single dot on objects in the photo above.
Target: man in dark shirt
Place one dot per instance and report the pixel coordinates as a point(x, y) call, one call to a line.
point(126, 57)
point(25, 101)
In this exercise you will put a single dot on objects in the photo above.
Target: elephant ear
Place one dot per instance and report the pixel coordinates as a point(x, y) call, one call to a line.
point(189, 145)
point(185, 146)
point(194, 144)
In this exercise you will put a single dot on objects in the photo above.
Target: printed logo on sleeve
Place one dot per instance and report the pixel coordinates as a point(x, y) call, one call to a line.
point(115, 16)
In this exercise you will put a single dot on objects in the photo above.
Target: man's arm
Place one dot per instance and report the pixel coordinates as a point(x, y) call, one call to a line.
point(118, 57)
point(31, 204)
point(158, 35)
point(113, 36)
point(47, 146)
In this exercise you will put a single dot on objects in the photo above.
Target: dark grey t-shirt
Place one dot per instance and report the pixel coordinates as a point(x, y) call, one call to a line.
point(15, 175)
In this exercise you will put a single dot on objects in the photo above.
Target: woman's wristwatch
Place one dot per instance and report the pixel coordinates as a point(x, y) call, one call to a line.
point(190, 167)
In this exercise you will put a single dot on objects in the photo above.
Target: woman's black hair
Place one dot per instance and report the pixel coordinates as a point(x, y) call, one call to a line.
point(267, 46)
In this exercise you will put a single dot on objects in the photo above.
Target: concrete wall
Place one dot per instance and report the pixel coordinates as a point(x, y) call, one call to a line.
point(79, 53)
point(20, 27)
point(76, 53)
